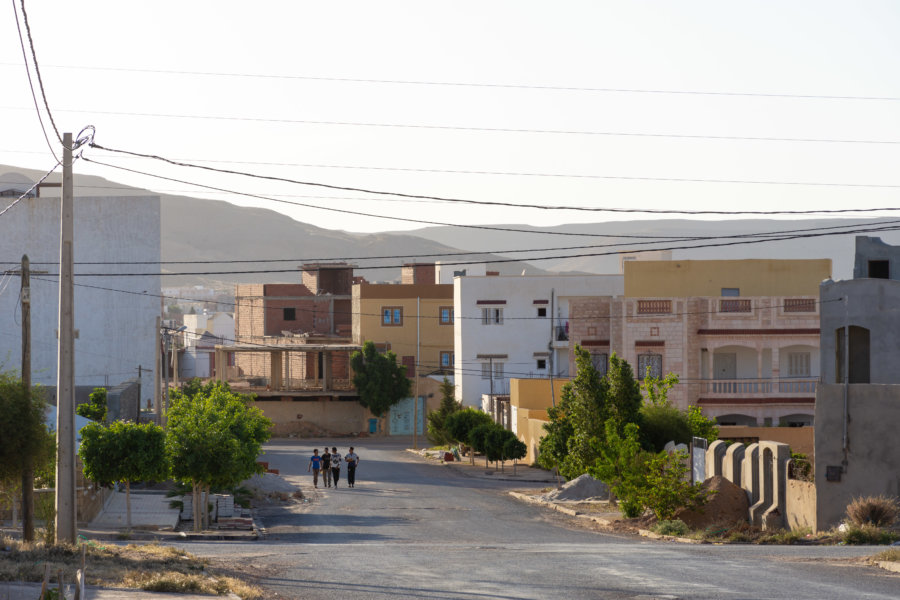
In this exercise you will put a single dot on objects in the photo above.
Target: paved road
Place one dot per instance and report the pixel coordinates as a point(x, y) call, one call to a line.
point(416, 530)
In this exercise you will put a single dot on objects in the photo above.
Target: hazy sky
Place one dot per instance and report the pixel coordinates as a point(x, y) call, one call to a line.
point(273, 88)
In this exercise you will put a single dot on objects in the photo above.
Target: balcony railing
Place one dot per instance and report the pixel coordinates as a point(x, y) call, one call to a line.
point(735, 306)
point(299, 385)
point(760, 387)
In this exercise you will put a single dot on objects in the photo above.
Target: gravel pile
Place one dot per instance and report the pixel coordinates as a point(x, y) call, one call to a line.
point(584, 487)
point(263, 484)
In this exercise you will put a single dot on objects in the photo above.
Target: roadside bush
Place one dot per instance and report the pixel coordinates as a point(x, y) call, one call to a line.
point(677, 528)
point(880, 511)
point(667, 488)
point(892, 555)
point(661, 424)
point(437, 430)
point(863, 535)
point(462, 422)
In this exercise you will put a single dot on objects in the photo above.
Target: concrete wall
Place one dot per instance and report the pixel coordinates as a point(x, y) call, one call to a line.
point(800, 439)
point(535, 393)
point(869, 466)
point(872, 248)
point(531, 430)
point(871, 304)
point(123, 402)
point(801, 505)
point(753, 277)
point(304, 416)
point(523, 337)
point(117, 330)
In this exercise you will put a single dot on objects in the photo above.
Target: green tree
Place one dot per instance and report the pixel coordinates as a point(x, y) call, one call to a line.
point(460, 423)
point(661, 424)
point(478, 438)
point(23, 437)
point(667, 488)
point(585, 399)
point(624, 396)
point(701, 426)
point(379, 380)
point(125, 452)
point(437, 432)
point(213, 439)
point(515, 449)
point(554, 446)
point(656, 390)
point(621, 464)
point(96, 408)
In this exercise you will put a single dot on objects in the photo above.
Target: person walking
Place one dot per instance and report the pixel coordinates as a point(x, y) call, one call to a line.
point(335, 466)
point(326, 466)
point(315, 464)
point(352, 462)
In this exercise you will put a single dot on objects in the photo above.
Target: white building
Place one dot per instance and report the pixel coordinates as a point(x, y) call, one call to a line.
point(515, 326)
point(205, 331)
point(115, 317)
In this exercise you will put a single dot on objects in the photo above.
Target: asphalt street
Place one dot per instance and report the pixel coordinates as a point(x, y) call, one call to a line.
point(412, 529)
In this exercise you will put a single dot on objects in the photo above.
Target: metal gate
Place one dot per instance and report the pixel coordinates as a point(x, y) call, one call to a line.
point(401, 417)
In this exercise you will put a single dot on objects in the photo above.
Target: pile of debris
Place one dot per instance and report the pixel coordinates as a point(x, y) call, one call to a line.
point(579, 489)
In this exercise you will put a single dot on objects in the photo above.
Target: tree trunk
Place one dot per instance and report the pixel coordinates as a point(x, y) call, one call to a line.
point(196, 500)
point(27, 501)
point(128, 504)
point(206, 507)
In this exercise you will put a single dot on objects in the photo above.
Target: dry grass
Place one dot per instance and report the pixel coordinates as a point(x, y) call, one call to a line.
point(114, 566)
point(880, 511)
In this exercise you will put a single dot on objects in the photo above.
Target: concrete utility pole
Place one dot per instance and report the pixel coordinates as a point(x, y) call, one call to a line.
point(416, 399)
point(28, 468)
point(157, 374)
point(65, 367)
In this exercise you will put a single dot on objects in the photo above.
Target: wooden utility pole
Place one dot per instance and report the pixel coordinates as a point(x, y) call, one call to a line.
point(65, 367)
point(28, 467)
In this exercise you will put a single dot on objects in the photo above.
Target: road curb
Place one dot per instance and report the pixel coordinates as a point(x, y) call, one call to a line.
point(888, 565)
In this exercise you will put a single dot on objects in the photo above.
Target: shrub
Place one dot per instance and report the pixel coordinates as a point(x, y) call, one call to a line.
point(661, 424)
point(677, 527)
point(667, 488)
point(460, 423)
point(892, 555)
point(856, 535)
point(880, 511)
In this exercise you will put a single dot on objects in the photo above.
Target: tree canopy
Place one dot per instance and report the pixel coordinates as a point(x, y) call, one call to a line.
point(96, 408)
point(437, 431)
point(379, 380)
point(22, 430)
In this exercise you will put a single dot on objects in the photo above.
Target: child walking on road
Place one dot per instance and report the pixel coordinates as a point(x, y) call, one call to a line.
point(352, 461)
point(315, 464)
point(326, 466)
point(335, 466)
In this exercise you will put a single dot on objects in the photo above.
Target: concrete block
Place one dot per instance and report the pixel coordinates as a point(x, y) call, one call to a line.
point(733, 465)
point(750, 473)
point(715, 457)
point(768, 512)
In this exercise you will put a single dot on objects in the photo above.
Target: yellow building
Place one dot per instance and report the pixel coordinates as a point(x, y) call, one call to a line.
point(415, 321)
point(751, 277)
point(529, 400)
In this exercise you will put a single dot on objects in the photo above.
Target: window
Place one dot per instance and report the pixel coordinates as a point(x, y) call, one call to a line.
point(542, 311)
point(492, 316)
point(653, 361)
point(600, 362)
point(392, 316)
point(290, 314)
point(731, 292)
point(486, 370)
point(446, 315)
point(798, 364)
point(541, 364)
point(446, 359)
point(880, 269)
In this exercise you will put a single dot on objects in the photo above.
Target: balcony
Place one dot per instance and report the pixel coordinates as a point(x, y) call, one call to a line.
point(759, 387)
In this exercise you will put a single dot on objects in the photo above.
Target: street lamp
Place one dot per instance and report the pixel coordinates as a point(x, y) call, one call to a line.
point(167, 333)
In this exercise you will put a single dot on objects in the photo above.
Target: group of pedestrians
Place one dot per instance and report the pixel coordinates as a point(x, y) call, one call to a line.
point(329, 464)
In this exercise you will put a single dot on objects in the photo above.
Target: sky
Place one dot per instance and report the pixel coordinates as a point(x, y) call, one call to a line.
point(591, 104)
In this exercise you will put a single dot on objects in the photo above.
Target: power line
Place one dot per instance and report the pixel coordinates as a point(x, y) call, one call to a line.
point(37, 71)
point(470, 128)
point(31, 189)
point(657, 240)
point(482, 85)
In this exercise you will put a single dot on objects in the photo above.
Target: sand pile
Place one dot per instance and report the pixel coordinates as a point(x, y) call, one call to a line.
point(583, 487)
point(727, 505)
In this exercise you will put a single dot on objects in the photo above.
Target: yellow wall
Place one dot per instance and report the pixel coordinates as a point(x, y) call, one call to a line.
point(800, 439)
point(368, 300)
point(534, 393)
point(531, 430)
point(664, 279)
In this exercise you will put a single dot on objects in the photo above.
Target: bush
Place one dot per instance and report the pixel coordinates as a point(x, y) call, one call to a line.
point(892, 555)
point(865, 535)
point(461, 423)
point(661, 424)
point(677, 528)
point(437, 430)
point(880, 511)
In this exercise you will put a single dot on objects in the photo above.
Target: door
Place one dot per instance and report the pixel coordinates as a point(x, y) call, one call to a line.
point(401, 417)
point(725, 365)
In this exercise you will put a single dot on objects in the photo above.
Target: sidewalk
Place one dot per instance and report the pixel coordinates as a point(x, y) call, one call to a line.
point(523, 473)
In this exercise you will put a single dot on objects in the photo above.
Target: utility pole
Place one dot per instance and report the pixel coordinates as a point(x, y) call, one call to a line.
point(65, 368)
point(416, 399)
point(28, 467)
point(137, 418)
point(157, 374)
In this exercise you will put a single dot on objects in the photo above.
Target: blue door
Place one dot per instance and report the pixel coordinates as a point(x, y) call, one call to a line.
point(401, 417)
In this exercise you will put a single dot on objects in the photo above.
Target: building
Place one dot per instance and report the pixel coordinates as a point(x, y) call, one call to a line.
point(742, 335)
point(293, 345)
point(415, 321)
point(515, 327)
point(204, 332)
point(115, 317)
point(858, 400)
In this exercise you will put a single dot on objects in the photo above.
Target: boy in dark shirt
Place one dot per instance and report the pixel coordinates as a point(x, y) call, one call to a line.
point(326, 467)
